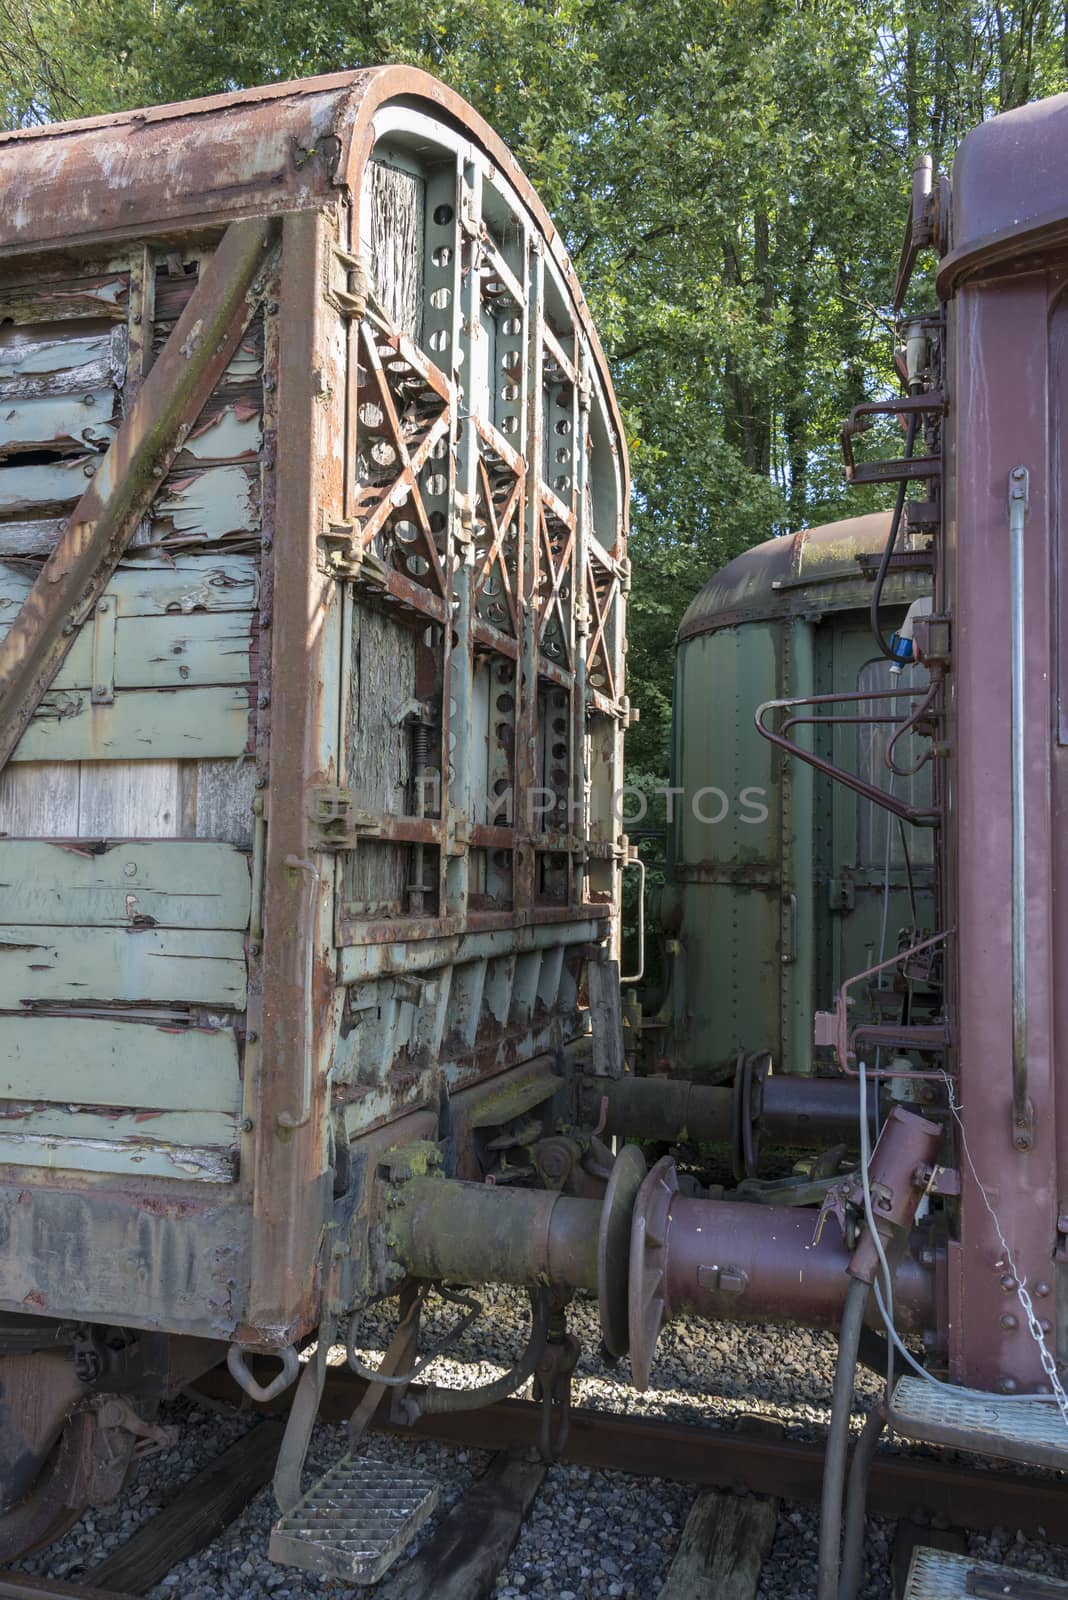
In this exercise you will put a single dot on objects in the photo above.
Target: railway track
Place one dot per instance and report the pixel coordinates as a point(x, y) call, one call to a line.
point(743, 1471)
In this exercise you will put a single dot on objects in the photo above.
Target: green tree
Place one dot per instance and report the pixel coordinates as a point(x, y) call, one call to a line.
point(730, 175)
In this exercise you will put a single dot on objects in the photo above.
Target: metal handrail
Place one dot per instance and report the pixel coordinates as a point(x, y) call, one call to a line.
point(920, 816)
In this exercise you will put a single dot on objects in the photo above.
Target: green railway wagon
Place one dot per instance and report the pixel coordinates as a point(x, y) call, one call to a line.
point(780, 883)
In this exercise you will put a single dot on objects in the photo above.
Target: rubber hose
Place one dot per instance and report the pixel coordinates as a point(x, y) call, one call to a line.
point(834, 1461)
point(891, 541)
point(856, 1502)
point(435, 1401)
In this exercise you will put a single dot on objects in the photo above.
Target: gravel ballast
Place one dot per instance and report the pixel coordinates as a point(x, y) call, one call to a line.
point(591, 1535)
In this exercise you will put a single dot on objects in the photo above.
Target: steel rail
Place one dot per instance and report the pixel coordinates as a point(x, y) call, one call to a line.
point(903, 1485)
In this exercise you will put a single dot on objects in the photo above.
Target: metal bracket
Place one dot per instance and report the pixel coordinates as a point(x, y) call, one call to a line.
point(340, 555)
point(336, 823)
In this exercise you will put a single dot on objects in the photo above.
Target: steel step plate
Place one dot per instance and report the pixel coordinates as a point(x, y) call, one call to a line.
point(355, 1521)
point(942, 1575)
point(969, 1419)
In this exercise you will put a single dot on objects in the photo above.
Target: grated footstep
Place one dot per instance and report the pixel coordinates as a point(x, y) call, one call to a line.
point(355, 1521)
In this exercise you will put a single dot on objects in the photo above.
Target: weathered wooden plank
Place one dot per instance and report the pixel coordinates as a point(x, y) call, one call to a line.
point(80, 1060)
point(381, 680)
point(222, 793)
point(723, 1547)
point(141, 723)
point(142, 1159)
point(606, 1018)
point(44, 486)
point(81, 379)
point(228, 433)
point(79, 298)
point(472, 1543)
point(39, 799)
point(189, 584)
point(36, 538)
point(211, 647)
point(45, 349)
point(112, 506)
point(200, 1511)
point(52, 422)
point(116, 1125)
point(393, 238)
point(202, 967)
point(213, 582)
point(207, 504)
point(124, 800)
point(174, 884)
point(162, 652)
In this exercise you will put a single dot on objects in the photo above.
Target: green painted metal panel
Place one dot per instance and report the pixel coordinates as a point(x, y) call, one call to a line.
point(203, 967)
point(178, 884)
point(140, 724)
point(163, 652)
point(92, 1060)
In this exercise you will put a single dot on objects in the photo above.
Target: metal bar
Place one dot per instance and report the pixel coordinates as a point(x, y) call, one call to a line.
point(101, 524)
point(1022, 1112)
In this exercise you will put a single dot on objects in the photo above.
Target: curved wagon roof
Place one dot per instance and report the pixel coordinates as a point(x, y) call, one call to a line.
point(283, 147)
point(750, 586)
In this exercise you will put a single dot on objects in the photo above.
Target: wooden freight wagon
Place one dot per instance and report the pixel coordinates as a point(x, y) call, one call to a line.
point(312, 571)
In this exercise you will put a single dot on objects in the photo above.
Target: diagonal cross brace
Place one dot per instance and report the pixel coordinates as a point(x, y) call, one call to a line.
point(102, 523)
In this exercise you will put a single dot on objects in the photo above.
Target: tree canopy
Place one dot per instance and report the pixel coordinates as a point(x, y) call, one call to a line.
point(731, 177)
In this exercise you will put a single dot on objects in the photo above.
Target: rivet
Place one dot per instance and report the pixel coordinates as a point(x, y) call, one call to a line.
point(1007, 1385)
point(247, 1125)
point(1042, 1290)
point(1045, 1325)
point(252, 1036)
point(254, 948)
point(1008, 1282)
point(1008, 1322)
point(103, 606)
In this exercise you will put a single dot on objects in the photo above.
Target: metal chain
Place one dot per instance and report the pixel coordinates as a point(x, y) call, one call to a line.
point(1034, 1327)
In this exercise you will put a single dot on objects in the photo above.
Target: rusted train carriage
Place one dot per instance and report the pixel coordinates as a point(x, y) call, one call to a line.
point(312, 552)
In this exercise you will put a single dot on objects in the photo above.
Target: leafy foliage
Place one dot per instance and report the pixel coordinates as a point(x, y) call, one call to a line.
point(730, 175)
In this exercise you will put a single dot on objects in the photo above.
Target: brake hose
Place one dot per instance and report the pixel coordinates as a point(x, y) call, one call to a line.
point(891, 541)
